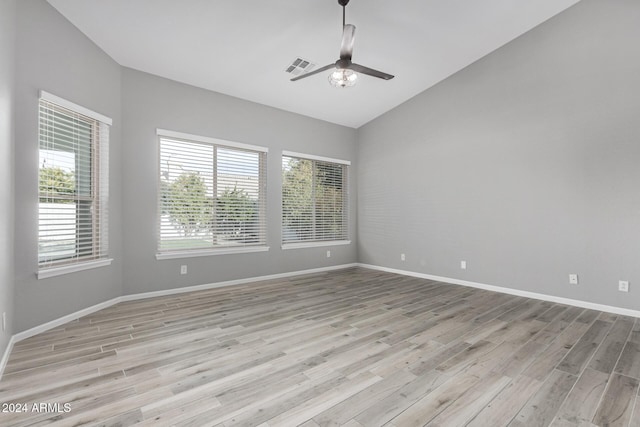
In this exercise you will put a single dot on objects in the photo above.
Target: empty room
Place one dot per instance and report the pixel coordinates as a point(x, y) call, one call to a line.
point(320, 213)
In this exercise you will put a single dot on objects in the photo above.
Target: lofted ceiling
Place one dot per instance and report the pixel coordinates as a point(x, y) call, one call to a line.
point(242, 48)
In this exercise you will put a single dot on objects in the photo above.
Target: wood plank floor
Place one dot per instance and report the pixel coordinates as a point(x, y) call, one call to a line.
point(354, 347)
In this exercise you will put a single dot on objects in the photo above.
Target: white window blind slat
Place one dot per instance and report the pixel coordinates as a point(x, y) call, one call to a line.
point(314, 199)
point(212, 195)
point(73, 184)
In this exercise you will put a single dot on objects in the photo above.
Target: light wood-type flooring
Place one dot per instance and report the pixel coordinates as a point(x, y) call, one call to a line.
point(353, 347)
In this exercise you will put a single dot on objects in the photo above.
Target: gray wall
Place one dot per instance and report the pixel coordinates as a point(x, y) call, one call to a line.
point(151, 102)
point(7, 59)
point(54, 56)
point(524, 164)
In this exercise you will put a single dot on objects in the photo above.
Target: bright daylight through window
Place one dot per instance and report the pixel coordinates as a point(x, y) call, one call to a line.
point(314, 199)
point(211, 195)
point(73, 184)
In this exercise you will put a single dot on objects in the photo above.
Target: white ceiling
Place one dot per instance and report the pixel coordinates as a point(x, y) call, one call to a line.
point(241, 48)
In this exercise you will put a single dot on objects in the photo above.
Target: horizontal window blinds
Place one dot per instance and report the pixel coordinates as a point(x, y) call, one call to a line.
point(314, 200)
point(73, 186)
point(211, 195)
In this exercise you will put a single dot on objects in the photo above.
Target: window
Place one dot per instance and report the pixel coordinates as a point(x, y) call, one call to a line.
point(73, 186)
point(212, 196)
point(314, 200)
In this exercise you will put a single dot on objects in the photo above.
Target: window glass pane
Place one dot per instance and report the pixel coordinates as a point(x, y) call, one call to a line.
point(329, 201)
point(210, 196)
point(297, 199)
point(68, 195)
point(314, 200)
point(186, 188)
point(57, 231)
point(238, 194)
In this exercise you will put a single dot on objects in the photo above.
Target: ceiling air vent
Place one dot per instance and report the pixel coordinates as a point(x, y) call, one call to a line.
point(299, 66)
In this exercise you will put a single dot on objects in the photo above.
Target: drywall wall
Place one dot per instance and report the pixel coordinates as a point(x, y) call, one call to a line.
point(52, 55)
point(150, 102)
point(524, 164)
point(7, 60)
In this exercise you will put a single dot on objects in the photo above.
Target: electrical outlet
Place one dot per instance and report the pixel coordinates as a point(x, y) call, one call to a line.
point(463, 265)
point(328, 254)
point(4, 321)
point(573, 279)
point(623, 286)
point(183, 269)
point(402, 257)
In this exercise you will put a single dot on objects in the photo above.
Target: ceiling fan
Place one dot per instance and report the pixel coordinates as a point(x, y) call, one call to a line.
point(345, 73)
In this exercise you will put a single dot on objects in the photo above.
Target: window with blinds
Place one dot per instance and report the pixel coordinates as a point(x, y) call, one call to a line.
point(73, 184)
point(314, 199)
point(212, 194)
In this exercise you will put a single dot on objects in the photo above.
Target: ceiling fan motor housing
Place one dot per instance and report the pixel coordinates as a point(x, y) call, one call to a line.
point(343, 63)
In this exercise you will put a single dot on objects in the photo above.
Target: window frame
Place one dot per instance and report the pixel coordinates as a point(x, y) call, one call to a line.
point(164, 254)
point(298, 244)
point(98, 190)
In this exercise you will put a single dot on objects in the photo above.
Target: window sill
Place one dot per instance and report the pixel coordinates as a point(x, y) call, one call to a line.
point(299, 245)
point(209, 252)
point(66, 269)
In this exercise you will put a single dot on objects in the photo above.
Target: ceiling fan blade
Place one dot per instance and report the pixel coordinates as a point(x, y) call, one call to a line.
point(311, 73)
point(370, 71)
point(348, 36)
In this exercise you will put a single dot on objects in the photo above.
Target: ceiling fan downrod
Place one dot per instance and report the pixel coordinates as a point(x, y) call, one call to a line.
point(344, 4)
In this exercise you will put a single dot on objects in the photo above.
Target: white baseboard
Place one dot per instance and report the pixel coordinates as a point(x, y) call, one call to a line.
point(64, 319)
point(206, 286)
point(5, 356)
point(517, 292)
point(89, 310)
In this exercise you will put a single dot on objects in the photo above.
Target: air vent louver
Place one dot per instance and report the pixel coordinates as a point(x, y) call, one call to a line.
point(299, 66)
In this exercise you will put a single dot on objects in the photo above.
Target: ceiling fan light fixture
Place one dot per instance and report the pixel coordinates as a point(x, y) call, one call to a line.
point(343, 77)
